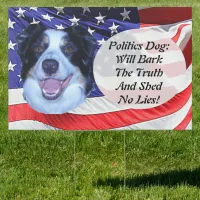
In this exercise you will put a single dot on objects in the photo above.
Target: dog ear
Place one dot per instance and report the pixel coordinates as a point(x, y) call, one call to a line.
point(25, 37)
point(83, 38)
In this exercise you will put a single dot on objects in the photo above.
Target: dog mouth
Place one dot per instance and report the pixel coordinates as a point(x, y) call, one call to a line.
point(52, 88)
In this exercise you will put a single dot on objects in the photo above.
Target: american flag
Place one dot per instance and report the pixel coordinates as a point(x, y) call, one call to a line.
point(97, 113)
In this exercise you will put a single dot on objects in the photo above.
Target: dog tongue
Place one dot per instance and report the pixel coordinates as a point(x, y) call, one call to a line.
point(52, 86)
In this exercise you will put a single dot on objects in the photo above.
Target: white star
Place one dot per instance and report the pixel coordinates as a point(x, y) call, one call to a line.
point(90, 30)
point(74, 21)
point(113, 28)
point(34, 21)
point(47, 17)
point(10, 24)
point(59, 10)
point(33, 8)
point(125, 14)
point(11, 66)
point(11, 45)
point(101, 41)
point(59, 27)
point(20, 12)
point(19, 78)
point(100, 18)
point(85, 9)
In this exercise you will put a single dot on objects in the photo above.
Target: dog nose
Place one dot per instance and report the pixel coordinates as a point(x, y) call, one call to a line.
point(50, 66)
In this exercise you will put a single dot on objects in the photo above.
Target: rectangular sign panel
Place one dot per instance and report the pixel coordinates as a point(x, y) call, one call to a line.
point(100, 68)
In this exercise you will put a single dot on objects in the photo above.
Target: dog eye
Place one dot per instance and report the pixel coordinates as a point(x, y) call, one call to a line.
point(38, 49)
point(69, 49)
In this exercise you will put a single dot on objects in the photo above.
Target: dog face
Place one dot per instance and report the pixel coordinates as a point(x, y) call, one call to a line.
point(56, 67)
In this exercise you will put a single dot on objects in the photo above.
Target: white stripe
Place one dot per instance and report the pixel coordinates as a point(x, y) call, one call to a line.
point(171, 28)
point(189, 126)
point(164, 123)
point(15, 96)
point(29, 125)
point(184, 37)
point(168, 27)
point(143, 7)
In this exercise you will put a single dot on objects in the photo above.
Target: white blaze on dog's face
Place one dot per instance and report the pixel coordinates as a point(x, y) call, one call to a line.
point(56, 68)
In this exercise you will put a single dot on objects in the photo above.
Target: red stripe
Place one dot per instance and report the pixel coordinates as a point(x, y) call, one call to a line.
point(178, 33)
point(164, 15)
point(187, 52)
point(186, 121)
point(100, 121)
point(147, 25)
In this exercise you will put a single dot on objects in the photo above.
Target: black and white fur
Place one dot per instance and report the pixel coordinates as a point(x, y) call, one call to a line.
point(38, 48)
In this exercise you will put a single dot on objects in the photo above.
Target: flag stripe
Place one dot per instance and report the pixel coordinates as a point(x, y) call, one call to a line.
point(187, 52)
point(164, 15)
point(29, 125)
point(178, 33)
point(189, 126)
point(162, 123)
point(186, 121)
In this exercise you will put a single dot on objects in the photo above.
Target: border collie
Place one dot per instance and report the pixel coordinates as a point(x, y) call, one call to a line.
point(57, 67)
